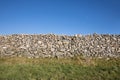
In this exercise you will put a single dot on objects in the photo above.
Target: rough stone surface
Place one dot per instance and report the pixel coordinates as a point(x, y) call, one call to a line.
point(60, 46)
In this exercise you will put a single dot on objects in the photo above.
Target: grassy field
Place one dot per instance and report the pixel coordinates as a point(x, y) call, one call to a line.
point(77, 68)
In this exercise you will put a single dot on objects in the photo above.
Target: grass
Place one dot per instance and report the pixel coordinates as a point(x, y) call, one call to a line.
point(77, 68)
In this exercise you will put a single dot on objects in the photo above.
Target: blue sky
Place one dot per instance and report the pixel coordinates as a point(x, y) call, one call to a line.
point(59, 16)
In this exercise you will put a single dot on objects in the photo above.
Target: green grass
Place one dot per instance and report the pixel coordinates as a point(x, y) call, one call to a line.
point(77, 68)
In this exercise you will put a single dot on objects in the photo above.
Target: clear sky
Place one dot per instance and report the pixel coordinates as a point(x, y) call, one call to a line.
point(59, 16)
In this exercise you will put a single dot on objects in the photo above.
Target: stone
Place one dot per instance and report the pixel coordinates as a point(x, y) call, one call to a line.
point(39, 42)
point(52, 49)
point(50, 45)
point(4, 47)
point(118, 50)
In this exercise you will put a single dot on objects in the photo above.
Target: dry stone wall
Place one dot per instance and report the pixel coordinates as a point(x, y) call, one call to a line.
point(60, 46)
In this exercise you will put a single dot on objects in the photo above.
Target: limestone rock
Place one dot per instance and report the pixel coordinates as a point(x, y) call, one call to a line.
point(50, 45)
